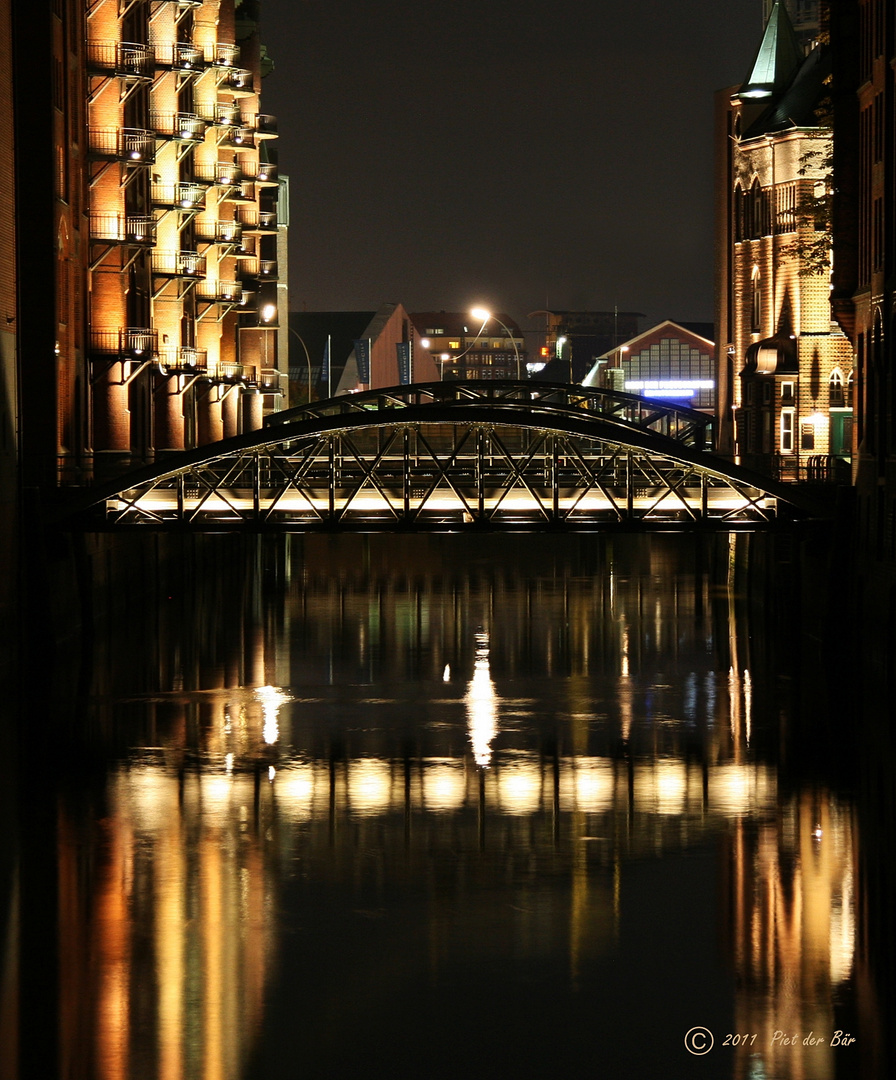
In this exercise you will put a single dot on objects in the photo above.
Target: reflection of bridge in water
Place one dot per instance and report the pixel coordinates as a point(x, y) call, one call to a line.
point(445, 456)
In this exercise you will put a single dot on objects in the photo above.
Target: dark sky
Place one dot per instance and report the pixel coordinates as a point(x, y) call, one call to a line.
point(503, 152)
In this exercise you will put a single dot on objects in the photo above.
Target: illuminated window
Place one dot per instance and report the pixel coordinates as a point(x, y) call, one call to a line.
point(787, 416)
point(835, 386)
point(453, 344)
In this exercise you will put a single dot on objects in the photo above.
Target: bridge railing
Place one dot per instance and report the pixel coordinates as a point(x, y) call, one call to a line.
point(687, 426)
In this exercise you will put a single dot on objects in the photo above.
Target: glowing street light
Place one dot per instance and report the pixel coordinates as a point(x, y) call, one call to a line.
point(482, 313)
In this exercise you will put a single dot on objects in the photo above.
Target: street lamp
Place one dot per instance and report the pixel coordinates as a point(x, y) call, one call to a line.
point(481, 313)
point(307, 357)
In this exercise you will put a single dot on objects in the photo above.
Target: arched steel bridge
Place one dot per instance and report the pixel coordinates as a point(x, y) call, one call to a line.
point(451, 455)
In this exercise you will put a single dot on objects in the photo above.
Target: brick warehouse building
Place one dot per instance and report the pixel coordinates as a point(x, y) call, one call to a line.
point(785, 367)
point(147, 299)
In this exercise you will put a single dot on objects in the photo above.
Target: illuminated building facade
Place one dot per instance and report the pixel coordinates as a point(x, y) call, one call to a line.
point(465, 348)
point(149, 296)
point(670, 362)
point(785, 371)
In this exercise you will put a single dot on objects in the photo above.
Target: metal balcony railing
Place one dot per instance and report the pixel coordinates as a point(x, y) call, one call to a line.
point(222, 55)
point(219, 114)
point(186, 196)
point(182, 358)
point(265, 126)
point(241, 137)
point(237, 81)
point(180, 56)
point(125, 59)
point(189, 264)
point(269, 381)
point(221, 173)
point(134, 146)
point(220, 292)
point(183, 127)
point(125, 343)
point(228, 373)
point(122, 228)
point(267, 174)
point(258, 221)
point(243, 192)
point(218, 232)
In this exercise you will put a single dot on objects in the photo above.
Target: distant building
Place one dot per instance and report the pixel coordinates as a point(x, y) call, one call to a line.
point(670, 362)
point(575, 339)
point(463, 347)
point(785, 369)
point(348, 351)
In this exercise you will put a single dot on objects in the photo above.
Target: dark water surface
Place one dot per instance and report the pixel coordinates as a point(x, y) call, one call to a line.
point(429, 807)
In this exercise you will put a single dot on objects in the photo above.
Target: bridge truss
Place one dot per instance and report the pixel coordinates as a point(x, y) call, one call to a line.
point(443, 457)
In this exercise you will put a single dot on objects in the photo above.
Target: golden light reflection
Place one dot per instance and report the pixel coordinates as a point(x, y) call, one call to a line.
point(520, 785)
point(272, 699)
point(482, 710)
point(369, 786)
point(592, 785)
point(742, 789)
point(443, 785)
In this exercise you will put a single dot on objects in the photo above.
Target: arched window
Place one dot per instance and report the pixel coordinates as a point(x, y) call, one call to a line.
point(757, 207)
point(837, 398)
point(756, 301)
point(738, 213)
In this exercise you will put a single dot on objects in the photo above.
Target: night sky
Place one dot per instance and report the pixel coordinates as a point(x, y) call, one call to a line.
point(514, 154)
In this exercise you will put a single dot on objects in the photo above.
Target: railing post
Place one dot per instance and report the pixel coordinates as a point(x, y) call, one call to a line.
point(406, 473)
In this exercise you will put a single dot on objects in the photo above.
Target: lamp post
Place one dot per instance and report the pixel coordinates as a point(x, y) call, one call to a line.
point(307, 357)
point(481, 313)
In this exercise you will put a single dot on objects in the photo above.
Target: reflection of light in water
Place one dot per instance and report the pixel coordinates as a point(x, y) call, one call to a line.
point(661, 788)
point(741, 789)
point(446, 674)
point(228, 762)
point(272, 772)
point(748, 704)
point(519, 786)
point(443, 785)
point(592, 784)
point(271, 698)
point(369, 785)
point(624, 669)
point(482, 711)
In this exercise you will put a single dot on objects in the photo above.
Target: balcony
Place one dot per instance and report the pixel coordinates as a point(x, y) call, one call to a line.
point(221, 174)
point(228, 373)
point(181, 127)
point(220, 292)
point(257, 270)
point(178, 196)
point(133, 146)
point(122, 229)
point(237, 81)
point(266, 175)
point(218, 114)
point(178, 264)
point(269, 381)
point(243, 192)
point(265, 126)
point(218, 232)
point(243, 138)
point(182, 359)
point(258, 222)
point(180, 56)
point(121, 58)
point(222, 55)
point(125, 343)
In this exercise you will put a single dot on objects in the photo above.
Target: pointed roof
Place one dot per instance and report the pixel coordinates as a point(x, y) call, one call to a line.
point(777, 59)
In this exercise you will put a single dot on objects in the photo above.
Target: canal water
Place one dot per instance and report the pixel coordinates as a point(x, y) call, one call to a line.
point(424, 807)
